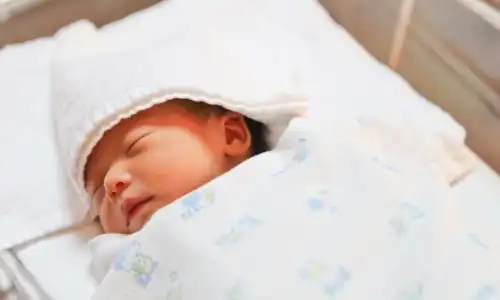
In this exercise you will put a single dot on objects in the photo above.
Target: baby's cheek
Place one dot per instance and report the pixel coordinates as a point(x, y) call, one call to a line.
point(180, 178)
point(170, 173)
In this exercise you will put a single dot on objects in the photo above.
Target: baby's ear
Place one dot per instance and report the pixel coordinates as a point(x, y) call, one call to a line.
point(237, 136)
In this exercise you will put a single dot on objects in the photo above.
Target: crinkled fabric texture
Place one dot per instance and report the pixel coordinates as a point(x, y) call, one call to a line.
point(335, 212)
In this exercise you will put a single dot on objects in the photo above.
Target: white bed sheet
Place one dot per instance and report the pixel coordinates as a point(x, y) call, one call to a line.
point(60, 264)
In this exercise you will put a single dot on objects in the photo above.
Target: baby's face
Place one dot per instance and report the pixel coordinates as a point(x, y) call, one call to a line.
point(156, 157)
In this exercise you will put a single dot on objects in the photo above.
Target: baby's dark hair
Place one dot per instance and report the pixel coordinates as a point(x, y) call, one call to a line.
point(258, 130)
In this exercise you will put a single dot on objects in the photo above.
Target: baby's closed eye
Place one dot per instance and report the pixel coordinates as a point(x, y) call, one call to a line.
point(134, 147)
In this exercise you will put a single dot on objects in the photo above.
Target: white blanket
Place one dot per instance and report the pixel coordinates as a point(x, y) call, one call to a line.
point(336, 211)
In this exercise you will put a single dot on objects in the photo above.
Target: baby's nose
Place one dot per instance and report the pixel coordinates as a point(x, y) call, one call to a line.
point(115, 184)
point(117, 188)
point(114, 190)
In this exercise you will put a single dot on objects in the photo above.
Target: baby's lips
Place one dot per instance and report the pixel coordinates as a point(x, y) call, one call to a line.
point(130, 203)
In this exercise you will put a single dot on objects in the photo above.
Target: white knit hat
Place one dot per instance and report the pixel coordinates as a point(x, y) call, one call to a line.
point(97, 82)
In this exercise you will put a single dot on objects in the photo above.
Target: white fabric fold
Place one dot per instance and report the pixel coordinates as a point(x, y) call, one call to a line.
point(103, 249)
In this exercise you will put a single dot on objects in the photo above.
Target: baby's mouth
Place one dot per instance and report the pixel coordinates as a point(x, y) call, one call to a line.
point(133, 205)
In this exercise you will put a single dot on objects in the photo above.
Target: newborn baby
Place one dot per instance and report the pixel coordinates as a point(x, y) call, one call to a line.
point(158, 155)
point(331, 212)
point(137, 129)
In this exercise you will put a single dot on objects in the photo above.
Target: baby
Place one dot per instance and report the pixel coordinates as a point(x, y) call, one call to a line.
point(332, 214)
point(160, 154)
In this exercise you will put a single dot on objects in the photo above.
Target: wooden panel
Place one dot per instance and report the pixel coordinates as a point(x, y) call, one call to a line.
point(464, 34)
point(457, 66)
point(46, 19)
point(452, 57)
point(437, 81)
point(494, 3)
point(371, 22)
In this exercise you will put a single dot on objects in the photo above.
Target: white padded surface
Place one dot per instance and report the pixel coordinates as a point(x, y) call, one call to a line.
point(60, 264)
point(35, 198)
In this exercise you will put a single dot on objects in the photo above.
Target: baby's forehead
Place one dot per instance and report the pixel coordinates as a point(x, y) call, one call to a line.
point(111, 143)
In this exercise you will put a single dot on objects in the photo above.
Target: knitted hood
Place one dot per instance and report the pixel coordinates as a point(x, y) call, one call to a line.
point(98, 81)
